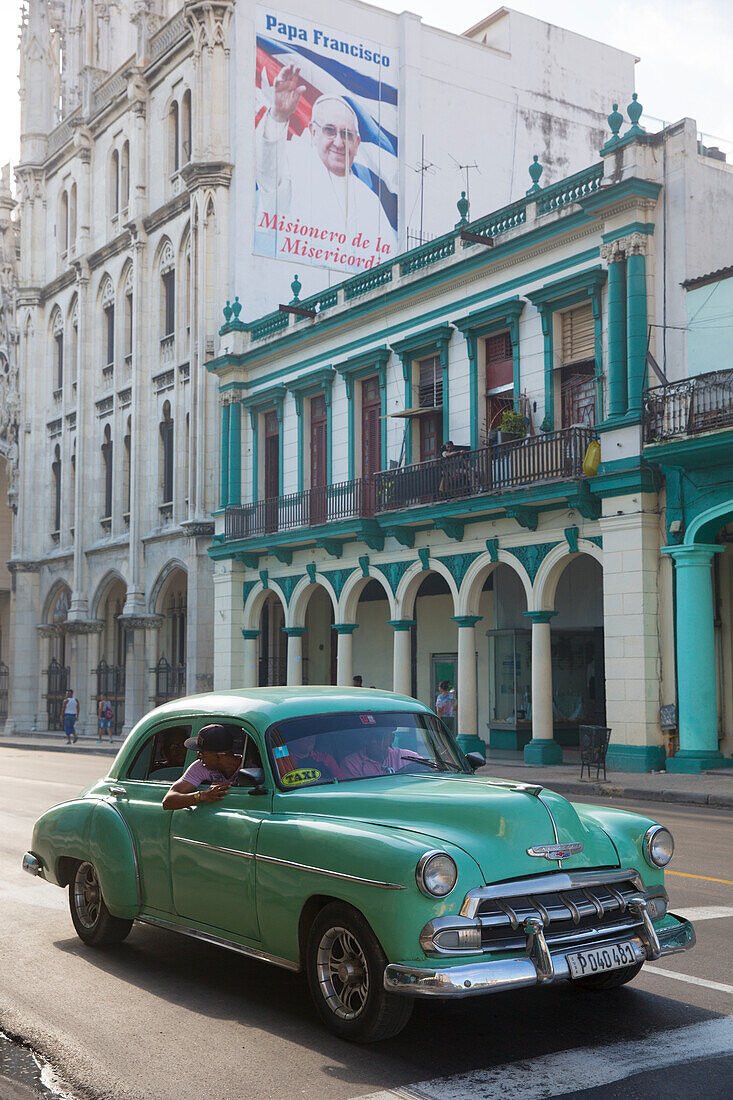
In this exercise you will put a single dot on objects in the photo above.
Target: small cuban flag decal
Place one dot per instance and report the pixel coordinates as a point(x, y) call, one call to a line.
point(279, 751)
point(367, 720)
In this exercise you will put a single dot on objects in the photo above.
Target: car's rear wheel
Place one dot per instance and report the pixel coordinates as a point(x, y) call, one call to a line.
point(345, 966)
point(92, 919)
point(611, 980)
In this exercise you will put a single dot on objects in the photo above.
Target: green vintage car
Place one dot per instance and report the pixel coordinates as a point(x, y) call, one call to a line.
point(359, 846)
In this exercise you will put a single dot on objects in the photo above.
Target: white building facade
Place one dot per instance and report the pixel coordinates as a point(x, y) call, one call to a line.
point(136, 208)
point(529, 563)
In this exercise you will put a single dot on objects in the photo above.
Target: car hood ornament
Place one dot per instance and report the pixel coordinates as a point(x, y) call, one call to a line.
point(556, 851)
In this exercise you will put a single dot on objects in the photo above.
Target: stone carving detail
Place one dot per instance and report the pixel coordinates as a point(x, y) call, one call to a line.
point(338, 578)
point(208, 21)
point(288, 584)
point(394, 571)
point(458, 565)
point(532, 556)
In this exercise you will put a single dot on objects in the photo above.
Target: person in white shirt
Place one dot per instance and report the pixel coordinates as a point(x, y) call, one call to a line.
point(71, 714)
point(319, 190)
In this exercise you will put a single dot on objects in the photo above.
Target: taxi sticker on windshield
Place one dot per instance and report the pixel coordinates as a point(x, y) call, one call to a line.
point(367, 720)
point(302, 775)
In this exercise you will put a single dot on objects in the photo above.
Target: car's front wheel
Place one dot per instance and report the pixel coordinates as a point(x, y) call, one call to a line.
point(345, 966)
point(92, 919)
point(611, 980)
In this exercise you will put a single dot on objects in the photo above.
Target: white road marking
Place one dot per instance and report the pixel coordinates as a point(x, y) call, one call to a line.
point(704, 912)
point(654, 969)
point(575, 1070)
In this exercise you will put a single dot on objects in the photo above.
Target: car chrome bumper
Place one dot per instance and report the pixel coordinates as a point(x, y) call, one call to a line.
point(32, 864)
point(539, 968)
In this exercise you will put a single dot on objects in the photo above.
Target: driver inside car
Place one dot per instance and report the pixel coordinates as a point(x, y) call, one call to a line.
point(377, 756)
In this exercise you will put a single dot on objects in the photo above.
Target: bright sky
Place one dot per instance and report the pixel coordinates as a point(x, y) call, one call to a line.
point(685, 50)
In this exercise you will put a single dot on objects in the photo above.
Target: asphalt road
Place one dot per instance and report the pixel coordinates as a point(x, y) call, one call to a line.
point(162, 1017)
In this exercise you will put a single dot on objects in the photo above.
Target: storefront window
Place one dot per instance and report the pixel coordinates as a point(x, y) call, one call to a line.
point(577, 677)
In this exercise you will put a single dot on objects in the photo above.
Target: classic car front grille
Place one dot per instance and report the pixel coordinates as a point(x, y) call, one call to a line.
point(567, 915)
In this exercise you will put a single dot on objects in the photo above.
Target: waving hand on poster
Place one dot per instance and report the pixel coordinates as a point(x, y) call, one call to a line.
point(317, 200)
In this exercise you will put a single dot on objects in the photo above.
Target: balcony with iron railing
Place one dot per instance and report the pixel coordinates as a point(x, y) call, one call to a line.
point(689, 408)
point(495, 469)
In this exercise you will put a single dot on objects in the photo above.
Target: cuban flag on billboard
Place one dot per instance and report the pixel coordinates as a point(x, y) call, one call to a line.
point(335, 67)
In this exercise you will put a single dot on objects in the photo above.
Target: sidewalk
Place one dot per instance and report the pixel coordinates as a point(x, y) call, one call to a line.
point(713, 788)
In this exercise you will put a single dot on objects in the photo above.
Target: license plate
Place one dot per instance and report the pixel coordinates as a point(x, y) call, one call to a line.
point(599, 959)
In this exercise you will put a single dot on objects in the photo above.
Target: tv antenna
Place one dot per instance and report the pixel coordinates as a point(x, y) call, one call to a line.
point(466, 168)
point(424, 168)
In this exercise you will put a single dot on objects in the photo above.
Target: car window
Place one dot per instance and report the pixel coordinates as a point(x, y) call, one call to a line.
point(163, 757)
point(328, 748)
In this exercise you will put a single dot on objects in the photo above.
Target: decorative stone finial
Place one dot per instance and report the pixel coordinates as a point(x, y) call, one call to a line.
point(634, 111)
point(463, 207)
point(236, 308)
point(296, 286)
point(615, 121)
point(535, 171)
point(227, 311)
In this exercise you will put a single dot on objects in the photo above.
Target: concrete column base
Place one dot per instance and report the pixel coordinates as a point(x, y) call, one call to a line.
point(471, 743)
point(635, 758)
point(694, 761)
point(542, 750)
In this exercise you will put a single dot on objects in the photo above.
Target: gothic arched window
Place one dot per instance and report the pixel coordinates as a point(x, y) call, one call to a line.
point(166, 455)
point(56, 474)
point(107, 471)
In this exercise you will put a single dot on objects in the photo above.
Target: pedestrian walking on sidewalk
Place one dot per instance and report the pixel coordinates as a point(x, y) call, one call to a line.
point(104, 718)
point(445, 704)
point(71, 714)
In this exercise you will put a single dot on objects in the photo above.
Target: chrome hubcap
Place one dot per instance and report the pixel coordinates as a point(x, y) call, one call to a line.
point(342, 973)
point(87, 895)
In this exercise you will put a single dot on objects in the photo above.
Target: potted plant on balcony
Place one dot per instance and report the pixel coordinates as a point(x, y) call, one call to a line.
point(513, 426)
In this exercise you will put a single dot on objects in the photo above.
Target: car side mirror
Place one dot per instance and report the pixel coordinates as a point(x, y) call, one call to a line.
point(475, 760)
point(252, 778)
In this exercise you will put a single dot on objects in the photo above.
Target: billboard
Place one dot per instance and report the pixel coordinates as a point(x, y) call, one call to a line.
point(326, 145)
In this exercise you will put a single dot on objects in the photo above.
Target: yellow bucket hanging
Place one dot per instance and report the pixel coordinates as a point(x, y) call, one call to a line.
point(592, 459)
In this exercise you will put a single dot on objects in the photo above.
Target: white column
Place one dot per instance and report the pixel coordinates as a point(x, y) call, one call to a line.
point(250, 678)
point(45, 634)
point(467, 687)
point(344, 656)
point(401, 655)
point(295, 654)
point(542, 749)
point(229, 576)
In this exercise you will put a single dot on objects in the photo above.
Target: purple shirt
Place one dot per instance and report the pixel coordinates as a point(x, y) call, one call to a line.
point(359, 764)
point(197, 773)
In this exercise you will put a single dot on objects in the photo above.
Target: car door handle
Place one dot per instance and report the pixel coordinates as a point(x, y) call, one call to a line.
point(119, 792)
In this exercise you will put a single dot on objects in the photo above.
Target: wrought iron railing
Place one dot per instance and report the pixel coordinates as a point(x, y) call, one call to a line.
point(170, 681)
point(554, 456)
point(496, 468)
point(700, 404)
point(309, 508)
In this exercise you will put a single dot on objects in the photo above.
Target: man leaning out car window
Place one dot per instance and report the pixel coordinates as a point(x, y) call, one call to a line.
point(217, 764)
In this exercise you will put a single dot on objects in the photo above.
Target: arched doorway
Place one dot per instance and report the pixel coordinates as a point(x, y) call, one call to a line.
point(319, 641)
point(509, 659)
point(273, 656)
point(54, 661)
point(373, 640)
point(109, 673)
point(434, 643)
point(171, 606)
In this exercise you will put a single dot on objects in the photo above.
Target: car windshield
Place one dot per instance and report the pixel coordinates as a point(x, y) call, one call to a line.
point(333, 748)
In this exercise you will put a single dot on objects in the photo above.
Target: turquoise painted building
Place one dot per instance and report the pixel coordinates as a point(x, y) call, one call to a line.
point(457, 466)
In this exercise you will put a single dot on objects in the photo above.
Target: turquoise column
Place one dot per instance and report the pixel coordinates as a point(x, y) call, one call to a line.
point(543, 748)
point(636, 327)
point(234, 497)
point(697, 702)
point(224, 459)
point(548, 424)
point(617, 383)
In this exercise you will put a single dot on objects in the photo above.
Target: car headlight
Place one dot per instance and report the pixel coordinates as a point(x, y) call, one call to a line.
point(436, 874)
point(658, 846)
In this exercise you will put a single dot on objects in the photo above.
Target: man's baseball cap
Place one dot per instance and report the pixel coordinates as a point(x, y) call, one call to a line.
point(212, 738)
